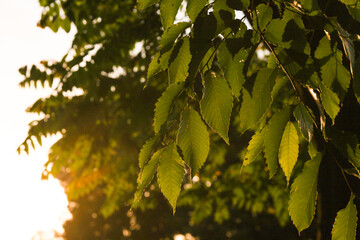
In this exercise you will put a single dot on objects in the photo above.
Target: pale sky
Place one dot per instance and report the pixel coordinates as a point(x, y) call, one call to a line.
point(27, 204)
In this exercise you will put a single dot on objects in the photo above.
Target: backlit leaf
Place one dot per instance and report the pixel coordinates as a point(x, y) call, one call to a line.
point(170, 174)
point(146, 175)
point(145, 3)
point(163, 105)
point(178, 69)
point(168, 11)
point(304, 120)
point(331, 102)
point(232, 68)
point(146, 150)
point(262, 16)
point(255, 147)
point(193, 139)
point(344, 227)
point(194, 7)
point(216, 104)
point(252, 110)
point(303, 194)
point(154, 66)
point(171, 34)
point(273, 135)
point(289, 149)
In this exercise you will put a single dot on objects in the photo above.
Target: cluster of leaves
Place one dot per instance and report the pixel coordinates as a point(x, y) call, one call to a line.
point(295, 104)
point(216, 101)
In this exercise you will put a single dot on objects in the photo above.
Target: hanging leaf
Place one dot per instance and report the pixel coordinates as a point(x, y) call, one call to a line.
point(145, 3)
point(275, 31)
point(194, 7)
point(193, 139)
point(232, 68)
point(154, 66)
point(334, 70)
point(305, 121)
point(178, 69)
point(146, 175)
point(289, 149)
point(344, 227)
point(273, 135)
point(262, 16)
point(168, 11)
point(216, 104)
point(146, 150)
point(163, 105)
point(255, 107)
point(255, 147)
point(170, 174)
point(324, 48)
point(331, 102)
point(303, 194)
point(171, 34)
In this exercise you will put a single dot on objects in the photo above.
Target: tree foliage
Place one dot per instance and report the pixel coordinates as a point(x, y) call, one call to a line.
point(296, 107)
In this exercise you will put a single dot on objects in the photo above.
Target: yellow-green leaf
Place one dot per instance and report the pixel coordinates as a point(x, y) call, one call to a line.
point(303, 194)
point(145, 3)
point(171, 34)
point(193, 139)
point(163, 105)
point(255, 147)
point(146, 150)
point(170, 174)
point(273, 134)
point(168, 11)
point(330, 101)
point(194, 7)
point(289, 149)
point(216, 104)
point(178, 69)
point(146, 175)
point(345, 222)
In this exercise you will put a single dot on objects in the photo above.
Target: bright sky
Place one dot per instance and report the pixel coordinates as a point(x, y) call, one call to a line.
point(27, 204)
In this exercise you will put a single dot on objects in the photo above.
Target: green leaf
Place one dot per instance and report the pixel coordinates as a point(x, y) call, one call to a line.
point(349, 2)
point(303, 194)
point(145, 3)
point(330, 101)
point(254, 108)
point(333, 70)
point(163, 105)
point(216, 104)
point(232, 68)
point(262, 16)
point(255, 147)
point(154, 66)
point(305, 121)
point(171, 34)
point(178, 69)
point(193, 139)
point(289, 149)
point(275, 31)
point(146, 175)
point(146, 151)
point(324, 48)
point(273, 135)
point(344, 227)
point(194, 7)
point(170, 174)
point(168, 11)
